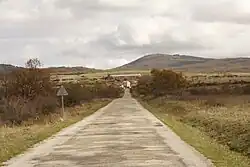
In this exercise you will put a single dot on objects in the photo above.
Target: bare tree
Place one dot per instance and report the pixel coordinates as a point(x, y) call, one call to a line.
point(30, 82)
point(33, 63)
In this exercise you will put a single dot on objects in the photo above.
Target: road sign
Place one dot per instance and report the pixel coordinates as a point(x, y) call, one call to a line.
point(62, 92)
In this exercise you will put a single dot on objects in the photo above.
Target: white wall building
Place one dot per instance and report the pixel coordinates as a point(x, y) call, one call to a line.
point(127, 84)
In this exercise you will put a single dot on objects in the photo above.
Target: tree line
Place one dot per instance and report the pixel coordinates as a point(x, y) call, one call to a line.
point(28, 94)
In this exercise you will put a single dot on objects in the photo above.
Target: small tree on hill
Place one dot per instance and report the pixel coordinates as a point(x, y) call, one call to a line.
point(28, 83)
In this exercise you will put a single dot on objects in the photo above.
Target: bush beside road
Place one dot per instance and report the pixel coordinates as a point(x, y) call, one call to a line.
point(209, 143)
point(216, 124)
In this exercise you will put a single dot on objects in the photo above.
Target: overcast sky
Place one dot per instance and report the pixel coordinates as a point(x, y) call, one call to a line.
point(109, 33)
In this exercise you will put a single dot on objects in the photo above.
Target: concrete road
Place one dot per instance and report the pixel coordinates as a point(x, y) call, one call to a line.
point(121, 134)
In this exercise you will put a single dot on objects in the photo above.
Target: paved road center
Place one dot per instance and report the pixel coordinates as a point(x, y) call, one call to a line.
point(121, 134)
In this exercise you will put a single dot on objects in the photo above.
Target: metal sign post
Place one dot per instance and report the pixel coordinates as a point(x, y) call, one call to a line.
point(62, 107)
point(62, 92)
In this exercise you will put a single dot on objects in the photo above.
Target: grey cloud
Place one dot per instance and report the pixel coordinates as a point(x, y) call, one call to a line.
point(41, 27)
point(124, 33)
point(87, 5)
point(226, 11)
point(73, 53)
point(99, 9)
point(33, 29)
point(108, 44)
point(91, 8)
point(106, 33)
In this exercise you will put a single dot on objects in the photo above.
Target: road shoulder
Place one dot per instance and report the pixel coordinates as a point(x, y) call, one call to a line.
point(190, 155)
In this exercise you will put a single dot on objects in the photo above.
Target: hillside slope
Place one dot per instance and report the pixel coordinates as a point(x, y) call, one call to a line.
point(6, 68)
point(72, 70)
point(188, 63)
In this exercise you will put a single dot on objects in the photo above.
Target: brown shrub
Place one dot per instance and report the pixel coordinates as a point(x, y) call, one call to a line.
point(161, 82)
point(101, 90)
point(234, 134)
point(204, 91)
point(79, 93)
point(213, 103)
point(227, 88)
point(26, 94)
point(164, 81)
point(28, 83)
point(246, 89)
point(15, 111)
point(144, 85)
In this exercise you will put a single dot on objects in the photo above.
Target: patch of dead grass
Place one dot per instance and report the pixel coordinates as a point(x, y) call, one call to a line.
point(211, 143)
point(228, 123)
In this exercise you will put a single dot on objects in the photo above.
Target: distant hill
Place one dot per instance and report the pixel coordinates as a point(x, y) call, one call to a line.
point(72, 70)
point(188, 63)
point(6, 68)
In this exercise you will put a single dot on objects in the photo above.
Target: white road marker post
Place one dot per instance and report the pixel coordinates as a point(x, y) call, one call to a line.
point(62, 92)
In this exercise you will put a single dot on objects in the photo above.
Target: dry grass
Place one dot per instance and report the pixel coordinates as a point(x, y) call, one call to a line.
point(15, 140)
point(225, 127)
point(217, 77)
point(72, 77)
point(104, 74)
point(193, 77)
point(227, 122)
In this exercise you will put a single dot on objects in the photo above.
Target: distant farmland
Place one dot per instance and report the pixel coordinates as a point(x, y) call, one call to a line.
point(192, 77)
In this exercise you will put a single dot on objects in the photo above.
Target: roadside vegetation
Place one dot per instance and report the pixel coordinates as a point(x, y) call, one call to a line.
point(30, 110)
point(214, 119)
point(16, 139)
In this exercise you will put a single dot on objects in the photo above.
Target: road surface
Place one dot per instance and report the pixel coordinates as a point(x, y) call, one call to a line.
point(122, 134)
